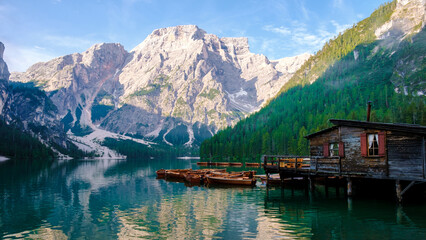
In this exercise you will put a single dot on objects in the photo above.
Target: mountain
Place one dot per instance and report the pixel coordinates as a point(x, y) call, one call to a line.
point(29, 127)
point(391, 22)
point(4, 76)
point(381, 59)
point(178, 87)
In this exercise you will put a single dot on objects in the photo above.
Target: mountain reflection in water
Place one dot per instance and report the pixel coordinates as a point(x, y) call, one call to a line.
point(112, 199)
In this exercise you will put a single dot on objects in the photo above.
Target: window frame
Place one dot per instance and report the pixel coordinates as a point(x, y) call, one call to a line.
point(371, 147)
point(333, 148)
point(381, 150)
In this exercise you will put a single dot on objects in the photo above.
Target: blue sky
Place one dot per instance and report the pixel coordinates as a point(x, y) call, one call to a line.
point(34, 31)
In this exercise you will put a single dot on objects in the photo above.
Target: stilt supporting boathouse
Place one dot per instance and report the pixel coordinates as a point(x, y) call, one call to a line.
point(355, 150)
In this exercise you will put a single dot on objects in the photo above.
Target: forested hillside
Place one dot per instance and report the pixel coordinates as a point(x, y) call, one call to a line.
point(336, 48)
point(365, 73)
point(20, 135)
point(15, 143)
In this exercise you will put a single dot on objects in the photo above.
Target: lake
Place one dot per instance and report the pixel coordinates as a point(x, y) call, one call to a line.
point(122, 199)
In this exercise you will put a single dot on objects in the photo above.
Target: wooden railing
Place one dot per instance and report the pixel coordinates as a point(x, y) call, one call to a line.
point(286, 163)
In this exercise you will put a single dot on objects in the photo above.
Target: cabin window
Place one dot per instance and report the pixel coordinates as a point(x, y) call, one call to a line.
point(334, 149)
point(373, 144)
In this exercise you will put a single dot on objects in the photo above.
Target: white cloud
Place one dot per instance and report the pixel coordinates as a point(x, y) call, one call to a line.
point(282, 30)
point(339, 28)
point(268, 47)
point(296, 37)
point(305, 11)
point(20, 58)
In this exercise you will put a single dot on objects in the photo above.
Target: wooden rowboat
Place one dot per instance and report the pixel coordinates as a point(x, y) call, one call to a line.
point(252, 164)
point(222, 164)
point(203, 163)
point(217, 170)
point(237, 164)
point(177, 173)
point(238, 181)
point(193, 178)
point(161, 173)
point(249, 174)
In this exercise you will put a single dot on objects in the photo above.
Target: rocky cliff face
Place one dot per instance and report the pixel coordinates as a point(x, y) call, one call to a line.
point(4, 77)
point(180, 81)
point(73, 81)
point(409, 17)
point(30, 109)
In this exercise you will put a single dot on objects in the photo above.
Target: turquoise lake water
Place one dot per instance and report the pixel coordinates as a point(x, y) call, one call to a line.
point(122, 199)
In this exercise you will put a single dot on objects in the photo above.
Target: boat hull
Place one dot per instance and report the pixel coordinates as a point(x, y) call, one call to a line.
point(176, 174)
point(193, 178)
point(202, 163)
point(161, 173)
point(252, 164)
point(231, 181)
point(236, 164)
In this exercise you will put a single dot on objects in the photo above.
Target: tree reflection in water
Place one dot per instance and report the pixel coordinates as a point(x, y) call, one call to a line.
point(112, 199)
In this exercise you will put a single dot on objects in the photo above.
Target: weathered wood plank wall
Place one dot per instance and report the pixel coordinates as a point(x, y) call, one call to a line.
point(404, 158)
point(405, 155)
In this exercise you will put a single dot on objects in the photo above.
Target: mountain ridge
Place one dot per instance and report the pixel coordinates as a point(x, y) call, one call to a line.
point(402, 18)
point(177, 87)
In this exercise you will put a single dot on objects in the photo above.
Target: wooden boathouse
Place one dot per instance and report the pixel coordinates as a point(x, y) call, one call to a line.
point(360, 149)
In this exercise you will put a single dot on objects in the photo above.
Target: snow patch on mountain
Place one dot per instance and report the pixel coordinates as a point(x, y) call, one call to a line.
point(92, 142)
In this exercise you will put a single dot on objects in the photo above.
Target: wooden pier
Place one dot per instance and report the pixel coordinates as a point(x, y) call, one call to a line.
point(354, 150)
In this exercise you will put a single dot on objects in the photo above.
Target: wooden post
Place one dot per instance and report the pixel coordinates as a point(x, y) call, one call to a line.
point(306, 185)
point(349, 187)
point(326, 186)
point(424, 157)
point(267, 179)
point(311, 184)
point(398, 191)
point(399, 214)
point(336, 184)
point(350, 204)
point(316, 165)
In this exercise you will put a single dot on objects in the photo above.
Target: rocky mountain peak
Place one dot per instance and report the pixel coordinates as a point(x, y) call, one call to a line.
point(177, 36)
point(4, 77)
point(4, 72)
point(1, 50)
point(180, 32)
point(98, 54)
point(180, 81)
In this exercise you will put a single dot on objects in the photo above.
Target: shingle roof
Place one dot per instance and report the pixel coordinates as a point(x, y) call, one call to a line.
point(320, 132)
point(400, 127)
